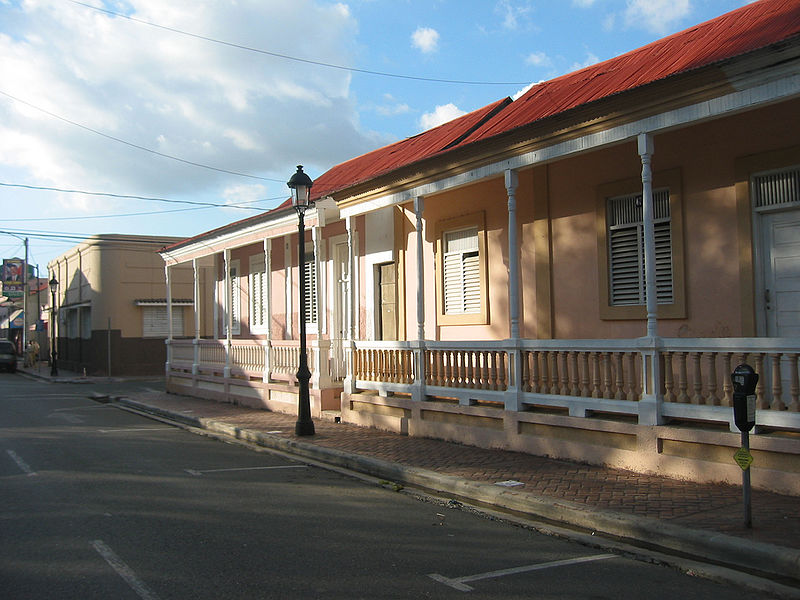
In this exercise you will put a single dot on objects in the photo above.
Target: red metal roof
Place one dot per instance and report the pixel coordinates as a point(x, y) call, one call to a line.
point(404, 152)
point(749, 28)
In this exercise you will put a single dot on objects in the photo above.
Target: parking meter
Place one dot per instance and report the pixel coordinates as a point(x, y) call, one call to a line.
point(744, 380)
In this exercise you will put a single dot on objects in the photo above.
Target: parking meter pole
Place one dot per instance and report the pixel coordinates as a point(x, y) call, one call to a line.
point(744, 379)
point(748, 508)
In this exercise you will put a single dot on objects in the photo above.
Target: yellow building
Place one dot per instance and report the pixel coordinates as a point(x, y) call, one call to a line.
point(111, 305)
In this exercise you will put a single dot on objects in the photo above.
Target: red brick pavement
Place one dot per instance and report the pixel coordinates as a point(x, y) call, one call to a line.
point(712, 507)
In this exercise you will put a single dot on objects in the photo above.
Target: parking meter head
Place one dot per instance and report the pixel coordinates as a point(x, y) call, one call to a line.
point(744, 379)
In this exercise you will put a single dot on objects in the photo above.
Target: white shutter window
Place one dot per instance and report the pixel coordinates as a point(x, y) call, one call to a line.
point(461, 277)
point(258, 291)
point(154, 321)
point(777, 188)
point(234, 302)
point(626, 249)
point(310, 308)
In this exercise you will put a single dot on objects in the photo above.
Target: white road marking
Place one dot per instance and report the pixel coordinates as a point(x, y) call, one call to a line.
point(124, 571)
point(134, 430)
point(21, 463)
point(198, 473)
point(458, 582)
point(65, 416)
point(87, 407)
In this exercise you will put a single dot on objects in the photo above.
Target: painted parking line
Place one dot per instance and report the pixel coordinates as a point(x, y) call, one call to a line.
point(21, 463)
point(458, 583)
point(198, 473)
point(124, 571)
point(136, 429)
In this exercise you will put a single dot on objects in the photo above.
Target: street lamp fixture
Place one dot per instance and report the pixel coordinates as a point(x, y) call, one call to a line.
point(300, 184)
point(53, 352)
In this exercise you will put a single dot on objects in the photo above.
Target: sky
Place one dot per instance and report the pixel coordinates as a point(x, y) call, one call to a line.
point(175, 117)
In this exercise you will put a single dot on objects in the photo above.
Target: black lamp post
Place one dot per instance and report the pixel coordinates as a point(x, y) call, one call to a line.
point(53, 352)
point(300, 183)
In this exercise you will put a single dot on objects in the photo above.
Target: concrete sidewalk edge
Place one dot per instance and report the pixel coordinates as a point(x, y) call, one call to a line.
point(719, 548)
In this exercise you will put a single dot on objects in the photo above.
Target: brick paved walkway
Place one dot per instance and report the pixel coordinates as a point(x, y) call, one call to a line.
point(716, 508)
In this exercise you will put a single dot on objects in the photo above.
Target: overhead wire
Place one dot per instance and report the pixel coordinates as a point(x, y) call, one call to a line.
point(132, 145)
point(294, 58)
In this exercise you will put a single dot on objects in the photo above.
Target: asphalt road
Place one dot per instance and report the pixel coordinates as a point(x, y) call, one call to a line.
point(96, 502)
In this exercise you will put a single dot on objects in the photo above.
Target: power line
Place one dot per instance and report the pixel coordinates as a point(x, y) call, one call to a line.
point(240, 205)
point(295, 58)
point(132, 145)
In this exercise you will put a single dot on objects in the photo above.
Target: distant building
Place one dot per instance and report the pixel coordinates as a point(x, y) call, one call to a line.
point(112, 307)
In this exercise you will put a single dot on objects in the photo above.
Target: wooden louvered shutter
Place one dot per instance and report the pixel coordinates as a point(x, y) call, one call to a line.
point(626, 249)
point(462, 278)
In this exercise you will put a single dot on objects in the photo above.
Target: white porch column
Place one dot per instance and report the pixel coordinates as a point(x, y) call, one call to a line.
point(168, 282)
point(646, 152)
point(196, 309)
point(418, 388)
point(512, 180)
point(650, 412)
point(349, 344)
point(228, 313)
point(267, 307)
point(514, 394)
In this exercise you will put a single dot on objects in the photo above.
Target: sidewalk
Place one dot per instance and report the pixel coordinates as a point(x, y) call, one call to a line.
point(699, 520)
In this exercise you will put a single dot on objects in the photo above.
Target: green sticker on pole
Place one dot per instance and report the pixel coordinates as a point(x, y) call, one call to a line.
point(743, 458)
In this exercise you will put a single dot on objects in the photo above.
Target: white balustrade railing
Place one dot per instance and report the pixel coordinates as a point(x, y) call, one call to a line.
point(583, 376)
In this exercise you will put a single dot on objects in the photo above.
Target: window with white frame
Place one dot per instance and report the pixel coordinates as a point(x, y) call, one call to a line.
point(626, 249)
point(461, 281)
point(461, 272)
point(257, 285)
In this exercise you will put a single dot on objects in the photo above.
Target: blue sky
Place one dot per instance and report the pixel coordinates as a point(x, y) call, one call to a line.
point(206, 101)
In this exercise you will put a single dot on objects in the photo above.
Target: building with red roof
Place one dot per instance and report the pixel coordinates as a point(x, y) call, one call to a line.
point(573, 273)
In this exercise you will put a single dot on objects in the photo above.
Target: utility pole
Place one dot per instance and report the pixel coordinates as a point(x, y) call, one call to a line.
point(25, 301)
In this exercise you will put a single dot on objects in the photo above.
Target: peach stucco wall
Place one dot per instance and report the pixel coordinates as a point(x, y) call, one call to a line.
point(704, 156)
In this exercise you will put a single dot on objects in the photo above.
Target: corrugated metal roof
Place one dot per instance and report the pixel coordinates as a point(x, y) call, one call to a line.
point(403, 153)
point(749, 28)
point(754, 26)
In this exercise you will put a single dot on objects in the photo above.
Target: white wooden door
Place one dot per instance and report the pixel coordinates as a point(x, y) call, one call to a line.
point(781, 251)
point(341, 302)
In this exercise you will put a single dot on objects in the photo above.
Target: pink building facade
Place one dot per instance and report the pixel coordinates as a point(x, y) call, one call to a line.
point(572, 274)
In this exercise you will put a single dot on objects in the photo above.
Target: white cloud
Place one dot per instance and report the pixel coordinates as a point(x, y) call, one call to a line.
point(538, 59)
point(440, 115)
point(200, 101)
point(524, 90)
point(657, 16)
point(583, 3)
point(392, 107)
point(425, 39)
point(591, 59)
point(511, 13)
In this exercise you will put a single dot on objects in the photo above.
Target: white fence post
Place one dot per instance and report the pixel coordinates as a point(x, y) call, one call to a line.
point(651, 401)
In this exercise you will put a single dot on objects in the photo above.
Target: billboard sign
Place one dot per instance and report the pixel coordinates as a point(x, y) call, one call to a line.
point(12, 276)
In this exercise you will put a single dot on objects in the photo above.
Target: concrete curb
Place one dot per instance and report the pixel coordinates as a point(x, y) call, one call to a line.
point(737, 553)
